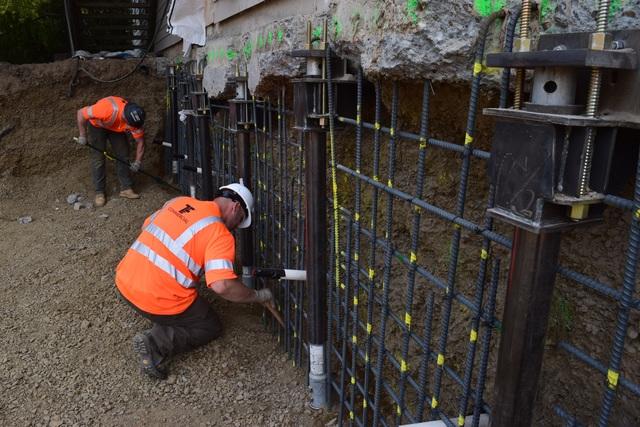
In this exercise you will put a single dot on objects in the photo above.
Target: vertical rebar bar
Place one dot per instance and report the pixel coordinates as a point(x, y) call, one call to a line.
point(372, 252)
point(487, 315)
point(625, 305)
point(413, 258)
point(357, 234)
point(386, 280)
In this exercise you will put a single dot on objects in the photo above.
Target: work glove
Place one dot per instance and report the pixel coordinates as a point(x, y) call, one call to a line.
point(264, 295)
point(135, 166)
point(82, 140)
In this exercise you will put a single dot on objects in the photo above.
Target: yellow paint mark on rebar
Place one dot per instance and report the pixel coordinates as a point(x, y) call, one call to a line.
point(351, 415)
point(356, 257)
point(403, 366)
point(468, 139)
point(369, 328)
point(354, 339)
point(389, 183)
point(398, 411)
point(391, 132)
point(456, 226)
point(376, 178)
point(461, 420)
point(407, 319)
point(353, 380)
point(434, 403)
point(440, 359)
point(477, 68)
point(358, 119)
point(423, 143)
point(484, 254)
point(364, 404)
point(355, 301)
point(372, 273)
point(342, 286)
point(612, 378)
point(637, 213)
point(413, 258)
point(473, 336)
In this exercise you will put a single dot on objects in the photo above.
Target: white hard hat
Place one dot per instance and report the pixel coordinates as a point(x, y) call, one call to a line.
point(239, 193)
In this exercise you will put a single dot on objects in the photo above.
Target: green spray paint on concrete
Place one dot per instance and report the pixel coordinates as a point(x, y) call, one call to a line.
point(270, 38)
point(487, 7)
point(231, 54)
point(337, 28)
point(247, 49)
point(545, 8)
point(615, 6)
point(412, 9)
point(280, 34)
point(316, 34)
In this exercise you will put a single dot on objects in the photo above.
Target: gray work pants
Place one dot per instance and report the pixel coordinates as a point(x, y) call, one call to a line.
point(178, 333)
point(98, 138)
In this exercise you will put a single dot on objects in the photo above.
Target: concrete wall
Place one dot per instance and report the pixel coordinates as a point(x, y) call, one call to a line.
point(404, 39)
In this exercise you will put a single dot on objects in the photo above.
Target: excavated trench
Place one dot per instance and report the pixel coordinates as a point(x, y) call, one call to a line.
point(65, 338)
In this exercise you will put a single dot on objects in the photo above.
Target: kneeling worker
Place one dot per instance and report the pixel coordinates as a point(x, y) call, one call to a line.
point(110, 119)
point(160, 272)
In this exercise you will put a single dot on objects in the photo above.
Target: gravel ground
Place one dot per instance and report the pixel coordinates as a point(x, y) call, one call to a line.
point(65, 337)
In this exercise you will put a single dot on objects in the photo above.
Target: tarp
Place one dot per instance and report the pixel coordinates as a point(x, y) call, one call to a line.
point(186, 19)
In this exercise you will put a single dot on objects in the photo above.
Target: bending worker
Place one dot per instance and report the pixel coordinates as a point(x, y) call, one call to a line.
point(110, 119)
point(160, 272)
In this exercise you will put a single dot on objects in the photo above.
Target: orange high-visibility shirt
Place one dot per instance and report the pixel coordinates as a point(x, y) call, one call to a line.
point(178, 243)
point(108, 113)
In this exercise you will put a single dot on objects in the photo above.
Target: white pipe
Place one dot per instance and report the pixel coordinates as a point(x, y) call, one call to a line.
point(295, 275)
point(468, 421)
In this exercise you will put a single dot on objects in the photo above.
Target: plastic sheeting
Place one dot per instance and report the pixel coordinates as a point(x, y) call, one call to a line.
point(186, 19)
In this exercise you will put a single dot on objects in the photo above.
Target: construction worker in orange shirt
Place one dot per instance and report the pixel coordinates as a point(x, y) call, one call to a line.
point(158, 276)
point(110, 119)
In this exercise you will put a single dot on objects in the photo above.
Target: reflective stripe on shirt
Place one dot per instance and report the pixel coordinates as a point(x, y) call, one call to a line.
point(162, 264)
point(194, 229)
point(174, 248)
point(114, 112)
point(218, 264)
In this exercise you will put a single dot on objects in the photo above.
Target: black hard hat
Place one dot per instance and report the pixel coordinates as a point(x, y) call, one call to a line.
point(134, 114)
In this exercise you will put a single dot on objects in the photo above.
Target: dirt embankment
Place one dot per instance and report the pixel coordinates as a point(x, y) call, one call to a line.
point(65, 338)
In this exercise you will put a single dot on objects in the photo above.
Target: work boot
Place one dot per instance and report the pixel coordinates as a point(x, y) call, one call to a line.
point(129, 194)
point(100, 200)
point(150, 358)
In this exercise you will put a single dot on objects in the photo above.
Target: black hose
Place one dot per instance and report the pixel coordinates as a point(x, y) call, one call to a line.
point(117, 159)
point(91, 76)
